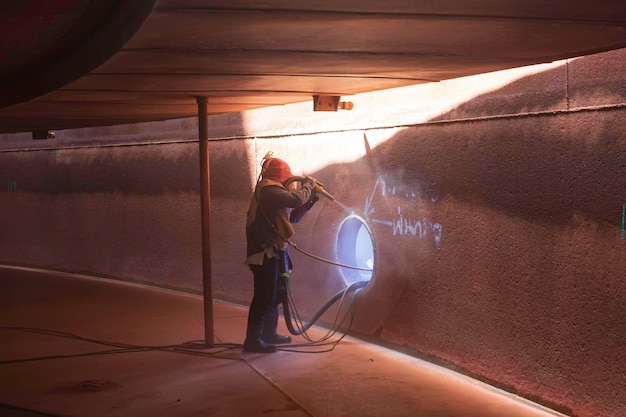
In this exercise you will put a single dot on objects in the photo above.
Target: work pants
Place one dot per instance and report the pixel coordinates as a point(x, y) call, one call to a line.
point(263, 313)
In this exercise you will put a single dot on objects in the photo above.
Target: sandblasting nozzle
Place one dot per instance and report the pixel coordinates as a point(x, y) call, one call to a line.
point(319, 188)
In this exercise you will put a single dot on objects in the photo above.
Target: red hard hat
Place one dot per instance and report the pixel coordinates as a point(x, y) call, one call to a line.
point(276, 169)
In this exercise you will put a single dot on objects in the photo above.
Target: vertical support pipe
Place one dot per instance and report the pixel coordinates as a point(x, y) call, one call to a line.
point(205, 206)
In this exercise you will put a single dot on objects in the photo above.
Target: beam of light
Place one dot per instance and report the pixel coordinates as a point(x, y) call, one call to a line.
point(355, 246)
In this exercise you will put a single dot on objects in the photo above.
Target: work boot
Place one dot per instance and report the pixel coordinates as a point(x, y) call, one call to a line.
point(254, 343)
point(276, 339)
point(258, 346)
point(270, 324)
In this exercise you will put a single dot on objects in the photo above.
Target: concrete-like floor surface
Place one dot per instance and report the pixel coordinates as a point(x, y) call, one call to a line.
point(76, 346)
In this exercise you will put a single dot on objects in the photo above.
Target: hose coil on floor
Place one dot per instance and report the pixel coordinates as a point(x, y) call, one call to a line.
point(291, 314)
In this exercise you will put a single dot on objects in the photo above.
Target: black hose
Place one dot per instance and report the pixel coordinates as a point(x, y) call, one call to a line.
point(305, 327)
point(292, 179)
point(284, 277)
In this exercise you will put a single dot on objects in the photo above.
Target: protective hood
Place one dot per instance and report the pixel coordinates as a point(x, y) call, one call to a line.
point(276, 169)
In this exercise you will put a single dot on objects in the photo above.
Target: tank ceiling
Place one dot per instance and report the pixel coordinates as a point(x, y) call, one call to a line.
point(81, 63)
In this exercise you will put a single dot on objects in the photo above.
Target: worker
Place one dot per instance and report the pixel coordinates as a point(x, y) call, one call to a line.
point(272, 210)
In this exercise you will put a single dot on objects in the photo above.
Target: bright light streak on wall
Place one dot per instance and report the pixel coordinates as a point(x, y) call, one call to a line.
point(390, 108)
point(355, 247)
point(364, 251)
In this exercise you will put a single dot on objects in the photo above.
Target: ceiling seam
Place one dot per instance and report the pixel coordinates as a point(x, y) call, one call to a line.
point(450, 16)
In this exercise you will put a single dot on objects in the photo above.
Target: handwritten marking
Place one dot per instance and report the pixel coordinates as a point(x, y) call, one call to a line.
point(11, 186)
point(411, 227)
point(402, 226)
point(623, 219)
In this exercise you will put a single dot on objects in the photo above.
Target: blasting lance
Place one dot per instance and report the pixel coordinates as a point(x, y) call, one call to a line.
point(319, 189)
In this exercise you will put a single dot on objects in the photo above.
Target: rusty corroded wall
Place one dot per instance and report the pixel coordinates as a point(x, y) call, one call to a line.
point(496, 205)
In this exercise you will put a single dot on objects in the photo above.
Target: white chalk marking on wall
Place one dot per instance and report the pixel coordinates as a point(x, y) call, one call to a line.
point(11, 186)
point(401, 226)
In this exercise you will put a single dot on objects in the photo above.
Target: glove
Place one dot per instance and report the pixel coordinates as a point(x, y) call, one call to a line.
point(309, 182)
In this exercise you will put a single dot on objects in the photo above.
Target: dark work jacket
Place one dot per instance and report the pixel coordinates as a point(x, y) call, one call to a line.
point(271, 197)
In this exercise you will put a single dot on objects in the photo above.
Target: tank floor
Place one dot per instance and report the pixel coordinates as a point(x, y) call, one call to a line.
point(72, 345)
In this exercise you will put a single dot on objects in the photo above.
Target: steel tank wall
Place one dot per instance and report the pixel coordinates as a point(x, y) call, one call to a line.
point(496, 205)
point(125, 212)
point(504, 259)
